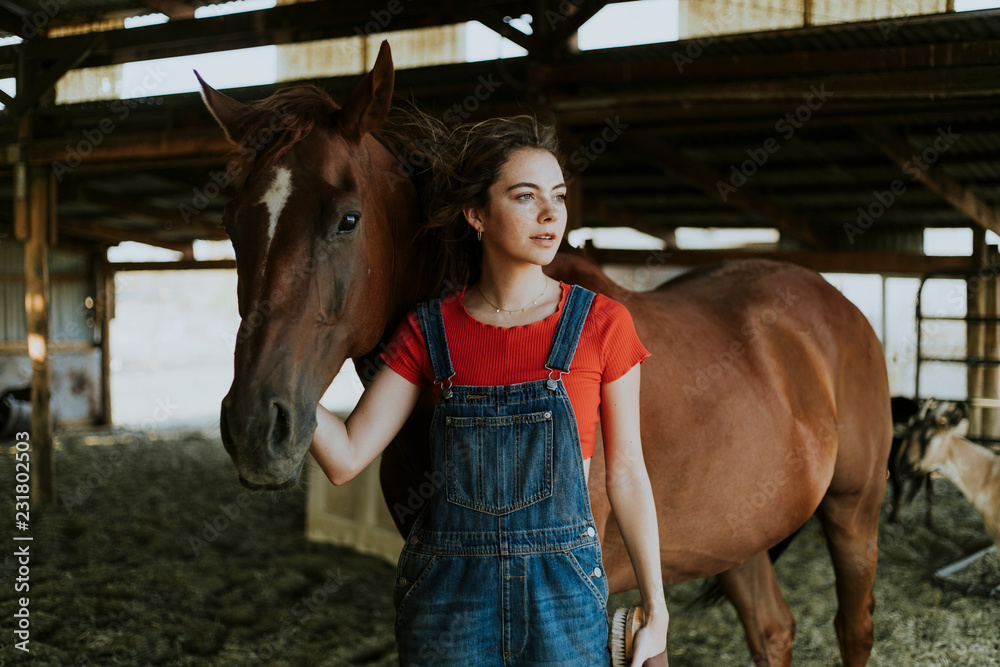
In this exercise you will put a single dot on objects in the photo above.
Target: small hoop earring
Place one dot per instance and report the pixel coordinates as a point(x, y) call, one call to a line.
point(479, 235)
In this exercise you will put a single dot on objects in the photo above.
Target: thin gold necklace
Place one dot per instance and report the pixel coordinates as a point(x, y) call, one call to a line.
point(516, 310)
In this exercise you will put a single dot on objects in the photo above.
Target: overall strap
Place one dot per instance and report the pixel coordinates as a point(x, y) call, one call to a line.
point(432, 326)
point(568, 330)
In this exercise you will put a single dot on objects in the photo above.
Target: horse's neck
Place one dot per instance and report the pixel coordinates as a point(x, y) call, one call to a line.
point(575, 268)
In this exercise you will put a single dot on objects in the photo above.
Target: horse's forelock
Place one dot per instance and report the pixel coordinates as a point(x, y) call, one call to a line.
point(276, 124)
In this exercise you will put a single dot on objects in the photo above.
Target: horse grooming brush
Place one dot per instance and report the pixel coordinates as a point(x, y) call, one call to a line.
point(626, 623)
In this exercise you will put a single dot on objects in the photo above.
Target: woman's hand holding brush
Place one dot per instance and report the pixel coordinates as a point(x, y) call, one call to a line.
point(649, 646)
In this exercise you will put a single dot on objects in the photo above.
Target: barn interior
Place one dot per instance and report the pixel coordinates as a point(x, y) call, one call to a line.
point(841, 136)
point(842, 131)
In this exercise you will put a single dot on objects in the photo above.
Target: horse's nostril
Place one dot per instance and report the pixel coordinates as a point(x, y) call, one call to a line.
point(280, 428)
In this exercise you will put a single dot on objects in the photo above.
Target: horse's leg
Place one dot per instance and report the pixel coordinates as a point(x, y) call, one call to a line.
point(770, 627)
point(850, 522)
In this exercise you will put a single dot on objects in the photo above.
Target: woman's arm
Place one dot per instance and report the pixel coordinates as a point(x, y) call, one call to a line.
point(345, 448)
point(631, 498)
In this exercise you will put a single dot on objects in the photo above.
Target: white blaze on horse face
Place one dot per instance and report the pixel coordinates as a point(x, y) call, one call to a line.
point(275, 199)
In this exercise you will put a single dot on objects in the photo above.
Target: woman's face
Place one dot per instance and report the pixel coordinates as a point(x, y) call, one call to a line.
point(526, 216)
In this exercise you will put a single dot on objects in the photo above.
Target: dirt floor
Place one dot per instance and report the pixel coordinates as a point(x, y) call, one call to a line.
point(156, 556)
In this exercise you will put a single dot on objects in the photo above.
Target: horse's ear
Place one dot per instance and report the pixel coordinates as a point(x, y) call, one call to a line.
point(229, 113)
point(366, 108)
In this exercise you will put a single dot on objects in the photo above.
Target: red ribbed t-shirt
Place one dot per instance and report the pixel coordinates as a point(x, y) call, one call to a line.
point(490, 355)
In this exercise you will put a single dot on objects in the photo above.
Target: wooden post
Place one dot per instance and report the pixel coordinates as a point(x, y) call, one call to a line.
point(991, 350)
point(574, 181)
point(974, 347)
point(104, 310)
point(36, 302)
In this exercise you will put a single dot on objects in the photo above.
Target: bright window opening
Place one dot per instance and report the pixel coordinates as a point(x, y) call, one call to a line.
point(696, 238)
point(973, 5)
point(481, 43)
point(940, 242)
point(630, 23)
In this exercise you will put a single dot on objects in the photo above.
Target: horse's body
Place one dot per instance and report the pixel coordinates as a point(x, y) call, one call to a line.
point(765, 399)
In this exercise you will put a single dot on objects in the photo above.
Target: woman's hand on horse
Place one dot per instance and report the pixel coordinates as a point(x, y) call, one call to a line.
point(345, 448)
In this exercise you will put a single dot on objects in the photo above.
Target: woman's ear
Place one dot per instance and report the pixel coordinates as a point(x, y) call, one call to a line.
point(473, 216)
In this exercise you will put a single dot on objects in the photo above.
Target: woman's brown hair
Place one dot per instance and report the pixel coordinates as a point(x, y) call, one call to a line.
point(454, 167)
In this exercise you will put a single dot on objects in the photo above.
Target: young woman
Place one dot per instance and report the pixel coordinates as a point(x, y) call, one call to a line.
point(503, 565)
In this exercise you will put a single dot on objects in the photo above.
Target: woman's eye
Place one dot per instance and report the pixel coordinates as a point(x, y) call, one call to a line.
point(525, 196)
point(560, 197)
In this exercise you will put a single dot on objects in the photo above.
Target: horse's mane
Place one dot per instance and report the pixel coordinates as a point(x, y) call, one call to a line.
point(272, 126)
point(275, 124)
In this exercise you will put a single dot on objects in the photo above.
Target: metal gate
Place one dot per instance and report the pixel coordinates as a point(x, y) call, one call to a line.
point(991, 271)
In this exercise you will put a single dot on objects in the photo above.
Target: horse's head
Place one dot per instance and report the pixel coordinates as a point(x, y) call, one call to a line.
point(316, 225)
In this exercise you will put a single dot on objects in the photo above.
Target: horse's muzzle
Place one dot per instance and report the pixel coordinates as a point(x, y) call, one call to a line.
point(291, 482)
point(260, 462)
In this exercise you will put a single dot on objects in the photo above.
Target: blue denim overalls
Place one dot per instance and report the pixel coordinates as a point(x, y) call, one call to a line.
point(503, 565)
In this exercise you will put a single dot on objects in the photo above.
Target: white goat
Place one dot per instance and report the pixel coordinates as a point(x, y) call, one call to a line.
point(975, 470)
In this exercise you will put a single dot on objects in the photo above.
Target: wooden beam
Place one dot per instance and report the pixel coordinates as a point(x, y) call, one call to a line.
point(180, 265)
point(284, 24)
point(32, 89)
point(92, 229)
point(490, 18)
point(832, 262)
point(36, 300)
point(697, 175)
point(923, 58)
point(567, 24)
point(173, 218)
point(173, 9)
point(14, 18)
point(117, 148)
point(924, 169)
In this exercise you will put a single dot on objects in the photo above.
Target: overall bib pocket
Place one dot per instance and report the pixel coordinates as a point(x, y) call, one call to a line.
point(498, 465)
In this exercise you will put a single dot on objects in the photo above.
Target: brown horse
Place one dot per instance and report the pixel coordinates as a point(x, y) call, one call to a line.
point(765, 399)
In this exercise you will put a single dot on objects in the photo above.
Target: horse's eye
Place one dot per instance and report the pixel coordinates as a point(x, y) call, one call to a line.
point(348, 222)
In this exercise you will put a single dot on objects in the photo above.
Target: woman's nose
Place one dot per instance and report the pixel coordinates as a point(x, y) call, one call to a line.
point(548, 211)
